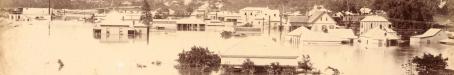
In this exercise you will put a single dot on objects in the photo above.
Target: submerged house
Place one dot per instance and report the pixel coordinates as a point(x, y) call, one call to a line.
point(116, 25)
point(431, 36)
point(379, 37)
point(304, 36)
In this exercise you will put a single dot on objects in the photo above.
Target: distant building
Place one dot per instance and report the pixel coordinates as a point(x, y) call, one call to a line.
point(352, 22)
point(165, 24)
point(431, 36)
point(259, 16)
point(191, 24)
point(317, 8)
point(27, 14)
point(373, 21)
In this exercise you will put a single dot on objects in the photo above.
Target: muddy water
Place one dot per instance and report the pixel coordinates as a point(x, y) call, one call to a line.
point(34, 48)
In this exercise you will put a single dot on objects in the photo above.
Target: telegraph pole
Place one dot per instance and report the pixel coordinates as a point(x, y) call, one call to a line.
point(269, 25)
point(50, 14)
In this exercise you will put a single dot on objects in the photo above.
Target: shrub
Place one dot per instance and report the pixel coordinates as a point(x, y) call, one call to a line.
point(199, 57)
point(248, 66)
point(226, 34)
point(305, 64)
point(429, 64)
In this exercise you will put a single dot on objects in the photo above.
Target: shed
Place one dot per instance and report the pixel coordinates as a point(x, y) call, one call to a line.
point(432, 35)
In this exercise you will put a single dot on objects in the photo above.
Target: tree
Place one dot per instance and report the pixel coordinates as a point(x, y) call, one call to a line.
point(199, 57)
point(305, 64)
point(408, 16)
point(429, 64)
point(248, 66)
point(147, 17)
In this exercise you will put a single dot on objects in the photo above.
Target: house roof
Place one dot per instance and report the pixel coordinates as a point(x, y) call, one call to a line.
point(191, 20)
point(377, 33)
point(315, 16)
point(374, 18)
point(307, 19)
point(259, 50)
point(298, 18)
point(353, 18)
point(308, 35)
point(115, 18)
point(255, 8)
point(342, 33)
point(429, 33)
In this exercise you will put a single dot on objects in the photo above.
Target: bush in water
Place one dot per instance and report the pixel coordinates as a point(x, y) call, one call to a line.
point(248, 66)
point(199, 57)
point(429, 64)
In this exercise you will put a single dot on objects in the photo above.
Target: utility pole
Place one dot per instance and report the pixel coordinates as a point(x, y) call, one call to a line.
point(50, 14)
point(263, 25)
point(269, 25)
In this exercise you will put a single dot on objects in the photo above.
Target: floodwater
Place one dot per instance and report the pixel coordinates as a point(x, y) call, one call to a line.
point(34, 48)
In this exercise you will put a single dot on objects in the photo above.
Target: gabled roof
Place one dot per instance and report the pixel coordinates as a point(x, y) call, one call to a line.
point(307, 19)
point(254, 8)
point(308, 35)
point(342, 33)
point(375, 18)
point(315, 16)
point(191, 20)
point(353, 18)
point(429, 33)
point(298, 18)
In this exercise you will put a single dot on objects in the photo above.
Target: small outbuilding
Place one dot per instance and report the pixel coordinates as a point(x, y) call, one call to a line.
point(431, 36)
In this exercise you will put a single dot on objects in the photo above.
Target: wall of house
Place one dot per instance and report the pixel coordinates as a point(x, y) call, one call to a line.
point(367, 42)
point(368, 25)
point(324, 22)
point(429, 40)
point(114, 30)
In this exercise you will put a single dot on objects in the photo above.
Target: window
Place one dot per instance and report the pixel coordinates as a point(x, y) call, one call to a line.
point(331, 27)
point(326, 19)
point(370, 25)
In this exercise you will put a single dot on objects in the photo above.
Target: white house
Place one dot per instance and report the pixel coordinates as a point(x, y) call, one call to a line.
point(259, 16)
point(373, 21)
point(379, 37)
point(27, 14)
point(431, 36)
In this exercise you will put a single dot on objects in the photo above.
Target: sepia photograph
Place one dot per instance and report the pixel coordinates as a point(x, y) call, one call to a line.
point(226, 37)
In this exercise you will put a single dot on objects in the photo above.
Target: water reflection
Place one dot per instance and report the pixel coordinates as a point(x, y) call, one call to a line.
point(85, 52)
